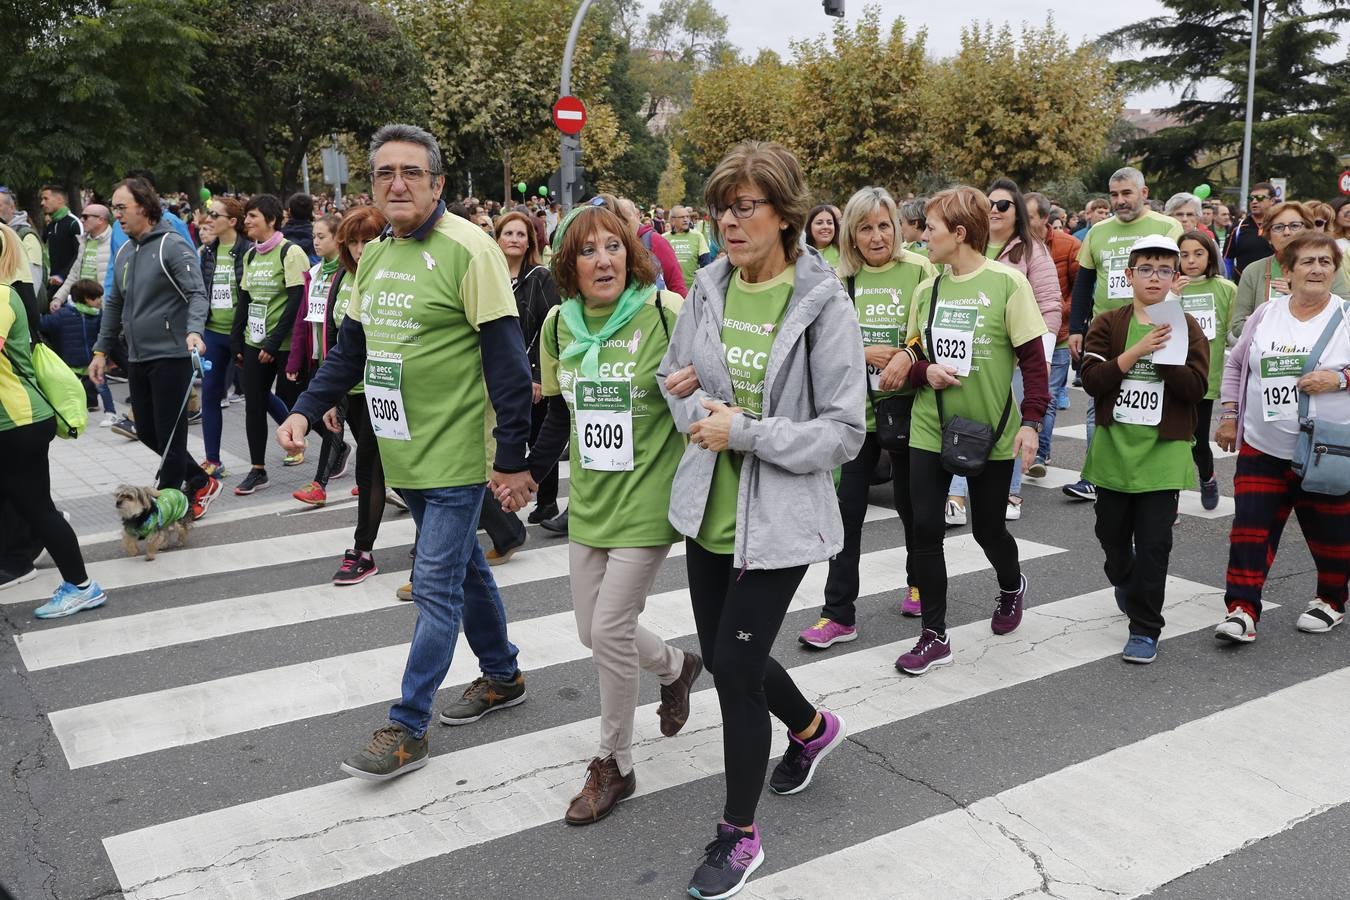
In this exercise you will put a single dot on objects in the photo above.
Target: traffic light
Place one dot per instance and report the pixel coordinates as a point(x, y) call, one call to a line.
point(834, 8)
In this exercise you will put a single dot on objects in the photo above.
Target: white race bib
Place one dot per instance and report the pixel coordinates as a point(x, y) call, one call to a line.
point(257, 322)
point(318, 301)
point(1117, 288)
point(876, 336)
point(221, 295)
point(384, 398)
point(1202, 309)
point(1280, 373)
point(1139, 402)
point(604, 413)
point(954, 336)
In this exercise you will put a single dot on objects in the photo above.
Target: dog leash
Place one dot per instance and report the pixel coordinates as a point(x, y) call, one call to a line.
point(200, 367)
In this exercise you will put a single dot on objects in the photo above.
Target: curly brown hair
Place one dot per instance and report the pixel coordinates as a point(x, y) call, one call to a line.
point(589, 222)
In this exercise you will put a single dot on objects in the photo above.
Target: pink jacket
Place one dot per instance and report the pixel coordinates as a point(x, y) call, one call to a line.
point(1039, 267)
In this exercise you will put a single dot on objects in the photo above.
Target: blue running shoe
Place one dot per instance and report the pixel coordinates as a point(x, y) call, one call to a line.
point(69, 600)
point(1140, 649)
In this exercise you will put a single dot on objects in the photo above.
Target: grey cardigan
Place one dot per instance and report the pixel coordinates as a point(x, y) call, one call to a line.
point(158, 297)
point(787, 512)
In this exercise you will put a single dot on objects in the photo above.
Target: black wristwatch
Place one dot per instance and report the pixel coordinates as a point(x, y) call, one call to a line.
point(1034, 426)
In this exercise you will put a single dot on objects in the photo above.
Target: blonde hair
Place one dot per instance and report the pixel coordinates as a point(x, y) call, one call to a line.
point(858, 209)
point(775, 172)
point(11, 252)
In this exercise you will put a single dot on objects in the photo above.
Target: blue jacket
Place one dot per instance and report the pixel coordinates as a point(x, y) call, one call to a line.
point(71, 334)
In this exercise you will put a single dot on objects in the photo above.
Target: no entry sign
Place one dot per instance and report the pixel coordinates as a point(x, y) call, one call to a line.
point(569, 114)
point(1345, 182)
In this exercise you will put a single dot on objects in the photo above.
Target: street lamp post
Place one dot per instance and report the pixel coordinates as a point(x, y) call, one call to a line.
point(1251, 99)
point(570, 146)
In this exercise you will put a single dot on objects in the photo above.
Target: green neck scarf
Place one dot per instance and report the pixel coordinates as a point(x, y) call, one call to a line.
point(86, 310)
point(587, 344)
point(329, 266)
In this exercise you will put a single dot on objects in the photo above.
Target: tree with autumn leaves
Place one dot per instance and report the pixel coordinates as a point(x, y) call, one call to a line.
point(869, 106)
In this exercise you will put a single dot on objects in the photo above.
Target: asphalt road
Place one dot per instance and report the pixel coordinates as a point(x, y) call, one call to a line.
point(184, 739)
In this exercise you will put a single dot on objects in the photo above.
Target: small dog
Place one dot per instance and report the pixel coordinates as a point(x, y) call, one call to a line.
point(151, 515)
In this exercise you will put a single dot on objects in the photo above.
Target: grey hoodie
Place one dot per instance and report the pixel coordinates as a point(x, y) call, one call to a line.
point(787, 512)
point(157, 296)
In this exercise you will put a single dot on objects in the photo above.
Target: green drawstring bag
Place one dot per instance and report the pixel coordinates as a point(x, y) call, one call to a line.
point(62, 390)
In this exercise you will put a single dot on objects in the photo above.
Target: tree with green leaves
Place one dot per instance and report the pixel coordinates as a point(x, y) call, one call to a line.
point(279, 75)
point(1301, 107)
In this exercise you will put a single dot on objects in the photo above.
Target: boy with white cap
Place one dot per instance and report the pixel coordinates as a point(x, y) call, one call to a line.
point(1141, 457)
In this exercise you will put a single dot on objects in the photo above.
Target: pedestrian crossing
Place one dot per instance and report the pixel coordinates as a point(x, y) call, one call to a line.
point(506, 784)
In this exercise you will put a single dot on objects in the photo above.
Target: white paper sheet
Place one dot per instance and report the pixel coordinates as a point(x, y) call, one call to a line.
point(1169, 312)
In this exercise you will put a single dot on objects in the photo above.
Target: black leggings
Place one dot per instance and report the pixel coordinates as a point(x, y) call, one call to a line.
point(547, 494)
point(738, 616)
point(1200, 450)
point(330, 451)
point(258, 380)
point(369, 474)
point(841, 586)
point(158, 387)
point(987, 501)
point(26, 485)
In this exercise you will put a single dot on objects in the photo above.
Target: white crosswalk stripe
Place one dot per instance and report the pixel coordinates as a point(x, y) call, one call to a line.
point(1058, 832)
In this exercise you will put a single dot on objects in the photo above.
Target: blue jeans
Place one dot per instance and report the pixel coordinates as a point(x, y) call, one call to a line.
point(451, 584)
point(214, 384)
point(1059, 378)
point(958, 488)
point(1091, 423)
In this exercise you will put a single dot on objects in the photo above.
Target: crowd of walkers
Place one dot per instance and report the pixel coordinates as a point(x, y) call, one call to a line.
point(733, 382)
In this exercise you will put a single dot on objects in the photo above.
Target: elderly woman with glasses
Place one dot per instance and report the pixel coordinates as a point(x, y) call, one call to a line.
point(1264, 279)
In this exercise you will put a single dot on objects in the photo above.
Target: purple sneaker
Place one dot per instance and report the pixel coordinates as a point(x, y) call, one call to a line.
point(1008, 612)
point(910, 606)
point(793, 773)
point(930, 651)
point(728, 863)
point(827, 633)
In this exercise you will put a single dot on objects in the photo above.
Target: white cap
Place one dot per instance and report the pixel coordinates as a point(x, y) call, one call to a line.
point(1156, 242)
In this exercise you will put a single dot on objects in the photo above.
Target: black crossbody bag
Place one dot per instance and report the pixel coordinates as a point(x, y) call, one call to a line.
point(966, 444)
point(892, 413)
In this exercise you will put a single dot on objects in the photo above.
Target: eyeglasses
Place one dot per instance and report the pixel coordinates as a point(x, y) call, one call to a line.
point(409, 174)
point(1001, 205)
point(215, 215)
point(119, 207)
point(1287, 227)
point(1147, 272)
point(741, 207)
point(1258, 198)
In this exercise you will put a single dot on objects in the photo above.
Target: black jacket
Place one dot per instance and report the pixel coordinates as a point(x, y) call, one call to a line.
point(62, 237)
point(1245, 246)
point(535, 294)
point(207, 252)
point(301, 234)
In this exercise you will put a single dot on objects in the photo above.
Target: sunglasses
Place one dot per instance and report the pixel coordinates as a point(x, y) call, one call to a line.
point(1258, 198)
point(1001, 205)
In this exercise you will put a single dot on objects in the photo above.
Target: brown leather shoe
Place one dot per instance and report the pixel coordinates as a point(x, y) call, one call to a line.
point(603, 790)
point(674, 708)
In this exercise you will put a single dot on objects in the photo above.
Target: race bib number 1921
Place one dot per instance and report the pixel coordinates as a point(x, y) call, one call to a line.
point(1280, 373)
point(604, 413)
point(384, 399)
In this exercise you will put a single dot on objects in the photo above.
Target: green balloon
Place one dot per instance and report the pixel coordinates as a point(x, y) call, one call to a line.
point(522, 187)
point(1202, 191)
point(205, 194)
point(543, 190)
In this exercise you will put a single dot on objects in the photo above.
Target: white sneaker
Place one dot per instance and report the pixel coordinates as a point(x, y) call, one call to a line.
point(1320, 616)
point(956, 514)
point(224, 402)
point(1239, 627)
point(108, 420)
point(1014, 511)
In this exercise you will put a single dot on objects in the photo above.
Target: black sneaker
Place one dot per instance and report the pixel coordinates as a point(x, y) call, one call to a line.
point(355, 568)
point(556, 525)
point(728, 863)
point(195, 418)
point(125, 427)
point(338, 467)
point(542, 513)
point(482, 697)
point(793, 773)
point(255, 480)
point(10, 579)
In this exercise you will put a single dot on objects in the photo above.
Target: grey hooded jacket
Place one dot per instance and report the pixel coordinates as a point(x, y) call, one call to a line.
point(813, 420)
point(157, 296)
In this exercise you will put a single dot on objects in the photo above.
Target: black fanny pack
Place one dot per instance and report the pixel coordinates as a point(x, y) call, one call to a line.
point(966, 444)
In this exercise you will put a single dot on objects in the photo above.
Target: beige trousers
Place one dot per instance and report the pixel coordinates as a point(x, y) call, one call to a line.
point(609, 591)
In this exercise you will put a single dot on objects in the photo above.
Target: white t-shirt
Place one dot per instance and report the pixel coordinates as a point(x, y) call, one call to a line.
point(1279, 334)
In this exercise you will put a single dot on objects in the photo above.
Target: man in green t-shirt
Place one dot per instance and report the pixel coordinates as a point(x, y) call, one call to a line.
point(691, 247)
point(1141, 458)
point(1101, 284)
point(433, 332)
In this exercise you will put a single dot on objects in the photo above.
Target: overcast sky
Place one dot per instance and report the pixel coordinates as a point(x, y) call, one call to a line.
point(754, 24)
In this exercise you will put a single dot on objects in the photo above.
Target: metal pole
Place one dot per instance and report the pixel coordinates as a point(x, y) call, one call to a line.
point(1251, 99)
point(568, 146)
